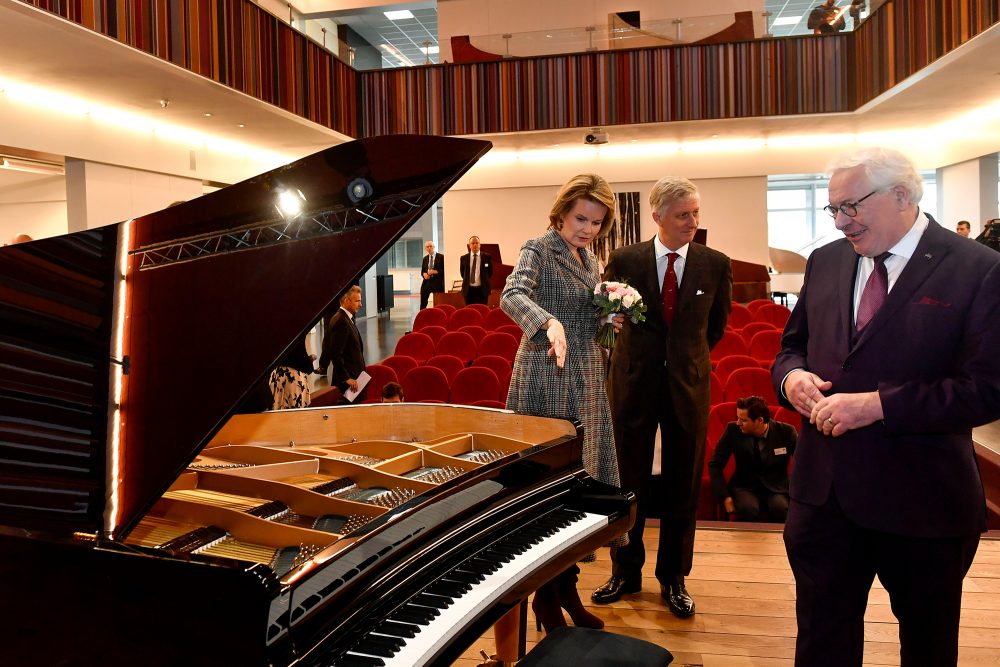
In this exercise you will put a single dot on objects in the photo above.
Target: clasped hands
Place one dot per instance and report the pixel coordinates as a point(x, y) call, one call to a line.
point(832, 415)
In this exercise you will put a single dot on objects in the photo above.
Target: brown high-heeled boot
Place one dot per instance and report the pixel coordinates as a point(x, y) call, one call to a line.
point(545, 605)
point(569, 599)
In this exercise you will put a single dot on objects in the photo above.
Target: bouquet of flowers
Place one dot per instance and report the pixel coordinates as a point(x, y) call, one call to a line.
point(612, 298)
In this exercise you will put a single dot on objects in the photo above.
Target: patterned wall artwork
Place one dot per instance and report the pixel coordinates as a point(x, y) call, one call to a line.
point(625, 231)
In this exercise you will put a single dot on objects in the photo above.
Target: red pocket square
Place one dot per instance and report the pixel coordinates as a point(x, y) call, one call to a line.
point(928, 301)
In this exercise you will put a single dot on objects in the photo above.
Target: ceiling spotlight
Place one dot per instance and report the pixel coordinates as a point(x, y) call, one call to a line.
point(164, 103)
point(208, 114)
point(290, 203)
point(242, 125)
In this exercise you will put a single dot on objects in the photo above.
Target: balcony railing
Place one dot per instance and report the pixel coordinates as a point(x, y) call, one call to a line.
point(238, 44)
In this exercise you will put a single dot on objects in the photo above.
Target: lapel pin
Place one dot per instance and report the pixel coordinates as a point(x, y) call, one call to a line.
point(927, 255)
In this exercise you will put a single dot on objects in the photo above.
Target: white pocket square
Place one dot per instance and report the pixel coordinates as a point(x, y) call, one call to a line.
point(698, 293)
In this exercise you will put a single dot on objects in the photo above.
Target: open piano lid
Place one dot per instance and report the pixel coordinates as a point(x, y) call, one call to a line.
point(215, 291)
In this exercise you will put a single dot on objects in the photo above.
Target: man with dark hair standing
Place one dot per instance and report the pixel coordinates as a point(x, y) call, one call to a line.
point(660, 372)
point(762, 448)
point(343, 349)
point(476, 269)
point(891, 353)
point(432, 271)
point(963, 228)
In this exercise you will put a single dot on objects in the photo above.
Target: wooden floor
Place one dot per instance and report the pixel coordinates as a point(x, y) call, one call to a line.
point(741, 583)
point(745, 594)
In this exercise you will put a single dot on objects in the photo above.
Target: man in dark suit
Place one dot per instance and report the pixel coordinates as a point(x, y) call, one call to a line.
point(762, 448)
point(343, 350)
point(892, 354)
point(660, 372)
point(476, 269)
point(432, 271)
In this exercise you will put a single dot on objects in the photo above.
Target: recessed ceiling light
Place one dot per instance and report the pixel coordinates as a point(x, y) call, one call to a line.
point(430, 49)
point(208, 114)
point(787, 20)
point(399, 15)
point(242, 125)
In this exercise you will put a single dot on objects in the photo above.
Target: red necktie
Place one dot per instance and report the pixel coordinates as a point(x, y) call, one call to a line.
point(874, 294)
point(669, 293)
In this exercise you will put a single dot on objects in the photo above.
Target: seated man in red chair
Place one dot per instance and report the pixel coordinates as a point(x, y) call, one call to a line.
point(762, 449)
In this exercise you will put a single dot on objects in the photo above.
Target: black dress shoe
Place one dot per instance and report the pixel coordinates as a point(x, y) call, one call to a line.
point(614, 588)
point(677, 598)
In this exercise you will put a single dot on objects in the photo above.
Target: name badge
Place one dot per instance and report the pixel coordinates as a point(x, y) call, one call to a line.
point(778, 451)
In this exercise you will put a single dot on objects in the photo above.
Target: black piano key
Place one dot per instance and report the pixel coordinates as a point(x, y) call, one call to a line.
point(486, 566)
point(414, 614)
point(384, 647)
point(451, 589)
point(426, 599)
point(511, 549)
point(398, 629)
point(463, 573)
point(355, 660)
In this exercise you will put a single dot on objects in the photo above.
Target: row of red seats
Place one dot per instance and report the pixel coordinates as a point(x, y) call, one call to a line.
point(477, 332)
point(421, 347)
point(478, 315)
point(741, 382)
point(483, 384)
point(763, 346)
point(718, 419)
point(759, 310)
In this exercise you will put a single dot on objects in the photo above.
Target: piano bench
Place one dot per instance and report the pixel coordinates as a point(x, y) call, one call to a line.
point(582, 647)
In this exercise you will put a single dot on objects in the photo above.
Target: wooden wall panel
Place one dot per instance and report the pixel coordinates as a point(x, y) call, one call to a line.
point(242, 46)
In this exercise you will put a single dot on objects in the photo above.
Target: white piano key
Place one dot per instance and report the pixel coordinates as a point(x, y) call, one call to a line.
point(436, 634)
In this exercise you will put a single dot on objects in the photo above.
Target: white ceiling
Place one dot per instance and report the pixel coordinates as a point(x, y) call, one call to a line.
point(40, 49)
point(408, 36)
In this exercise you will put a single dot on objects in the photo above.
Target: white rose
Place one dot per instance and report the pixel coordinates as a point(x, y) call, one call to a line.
point(628, 300)
point(615, 296)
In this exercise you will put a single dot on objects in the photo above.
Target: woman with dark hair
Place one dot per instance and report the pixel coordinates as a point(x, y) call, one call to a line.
point(559, 369)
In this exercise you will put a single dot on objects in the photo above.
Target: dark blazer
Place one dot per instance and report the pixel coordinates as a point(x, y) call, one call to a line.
point(771, 471)
point(343, 348)
point(434, 283)
point(703, 304)
point(933, 353)
point(485, 272)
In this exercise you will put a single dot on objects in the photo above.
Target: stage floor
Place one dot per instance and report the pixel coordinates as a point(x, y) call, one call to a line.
point(745, 594)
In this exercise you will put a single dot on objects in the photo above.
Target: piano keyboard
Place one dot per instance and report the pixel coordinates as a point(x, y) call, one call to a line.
point(418, 629)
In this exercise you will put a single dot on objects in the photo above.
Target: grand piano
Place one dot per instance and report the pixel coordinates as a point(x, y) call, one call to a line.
point(144, 522)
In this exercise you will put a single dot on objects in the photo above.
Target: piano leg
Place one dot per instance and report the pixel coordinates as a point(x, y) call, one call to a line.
point(510, 634)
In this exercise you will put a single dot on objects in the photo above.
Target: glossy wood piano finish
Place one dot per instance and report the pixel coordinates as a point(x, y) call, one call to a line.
point(142, 523)
point(183, 604)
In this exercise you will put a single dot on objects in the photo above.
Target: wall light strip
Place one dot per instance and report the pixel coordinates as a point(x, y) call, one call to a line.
point(117, 351)
point(118, 119)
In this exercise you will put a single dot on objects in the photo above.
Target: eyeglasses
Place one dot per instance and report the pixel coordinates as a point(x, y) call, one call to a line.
point(850, 209)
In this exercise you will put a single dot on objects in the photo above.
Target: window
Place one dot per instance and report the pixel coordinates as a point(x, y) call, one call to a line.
point(406, 254)
point(796, 220)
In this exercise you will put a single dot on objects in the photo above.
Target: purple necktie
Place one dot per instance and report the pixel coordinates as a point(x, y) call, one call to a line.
point(873, 296)
point(669, 293)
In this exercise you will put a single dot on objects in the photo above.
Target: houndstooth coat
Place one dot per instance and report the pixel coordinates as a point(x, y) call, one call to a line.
point(548, 282)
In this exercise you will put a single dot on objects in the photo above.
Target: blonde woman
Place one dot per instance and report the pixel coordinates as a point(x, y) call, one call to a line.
point(559, 369)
